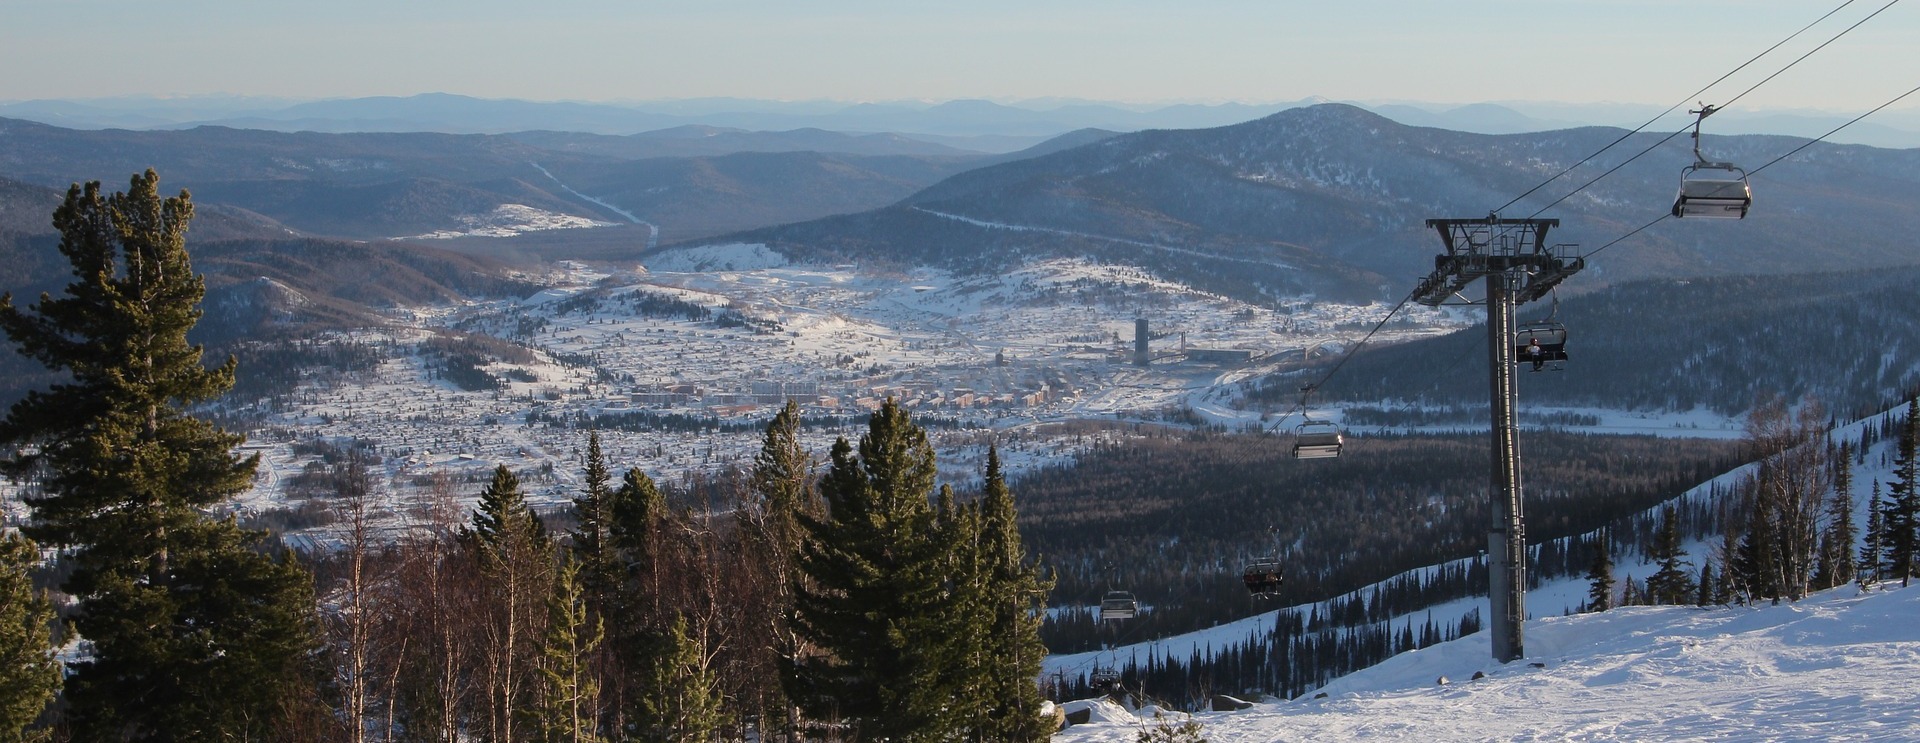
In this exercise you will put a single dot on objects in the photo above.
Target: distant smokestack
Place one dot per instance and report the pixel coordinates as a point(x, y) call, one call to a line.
point(1140, 355)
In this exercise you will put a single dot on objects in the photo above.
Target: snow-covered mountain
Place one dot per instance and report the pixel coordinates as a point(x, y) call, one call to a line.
point(1332, 199)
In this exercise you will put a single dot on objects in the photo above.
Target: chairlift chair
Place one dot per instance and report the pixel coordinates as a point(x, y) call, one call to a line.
point(1103, 677)
point(1550, 340)
point(1263, 577)
point(1317, 440)
point(1713, 191)
point(1118, 605)
point(1708, 189)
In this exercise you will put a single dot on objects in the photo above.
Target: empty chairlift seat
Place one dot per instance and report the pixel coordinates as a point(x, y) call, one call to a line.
point(1713, 191)
point(1317, 440)
point(1118, 605)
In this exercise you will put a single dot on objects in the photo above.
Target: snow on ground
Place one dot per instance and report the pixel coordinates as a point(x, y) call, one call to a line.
point(728, 257)
point(507, 220)
point(1008, 357)
point(1549, 599)
point(1836, 666)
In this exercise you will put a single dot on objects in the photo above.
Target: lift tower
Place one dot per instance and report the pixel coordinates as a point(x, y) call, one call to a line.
point(1512, 255)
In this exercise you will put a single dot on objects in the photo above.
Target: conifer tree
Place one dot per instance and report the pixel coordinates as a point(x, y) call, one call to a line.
point(874, 594)
point(589, 537)
point(968, 587)
point(637, 555)
point(1758, 563)
point(682, 703)
point(1600, 575)
point(1669, 584)
point(779, 479)
point(1873, 546)
point(1018, 595)
point(196, 632)
point(1732, 588)
point(29, 674)
point(569, 693)
point(1900, 522)
point(1835, 566)
point(779, 483)
point(1707, 596)
point(514, 555)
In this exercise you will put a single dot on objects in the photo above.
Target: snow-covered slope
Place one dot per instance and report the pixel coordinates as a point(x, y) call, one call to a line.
point(1837, 666)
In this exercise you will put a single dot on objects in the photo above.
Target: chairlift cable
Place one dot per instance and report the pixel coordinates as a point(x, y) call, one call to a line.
point(1770, 163)
point(1305, 391)
point(1722, 106)
point(1682, 102)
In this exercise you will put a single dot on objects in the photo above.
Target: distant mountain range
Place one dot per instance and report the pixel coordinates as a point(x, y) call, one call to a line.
point(1332, 200)
point(975, 125)
point(686, 184)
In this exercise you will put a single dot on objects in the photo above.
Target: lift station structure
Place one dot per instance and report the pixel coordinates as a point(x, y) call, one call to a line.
point(1519, 267)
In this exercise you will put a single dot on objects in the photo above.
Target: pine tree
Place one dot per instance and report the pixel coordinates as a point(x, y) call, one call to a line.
point(29, 674)
point(1835, 566)
point(779, 483)
point(1900, 522)
point(569, 697)
point(515, 557)
point(1018, 594)
point(1600, 575)
point(196, 631)
point(1707, 596)
point(1669, 584)
point(635, 545)
point(682, 703)
point(874, 594)
point(589, 537)
point(1869, 571)
point(1758, 563)
point(1731, 589)
point(779, 479)
point(633, 536)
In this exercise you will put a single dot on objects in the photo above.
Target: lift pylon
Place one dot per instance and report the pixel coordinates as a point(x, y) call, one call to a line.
point(1519, 267)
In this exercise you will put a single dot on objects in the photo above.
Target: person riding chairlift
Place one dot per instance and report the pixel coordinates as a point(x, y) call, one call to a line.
point(1533, 352)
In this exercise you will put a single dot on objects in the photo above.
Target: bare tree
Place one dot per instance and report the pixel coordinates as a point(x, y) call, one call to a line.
point(1790, 488)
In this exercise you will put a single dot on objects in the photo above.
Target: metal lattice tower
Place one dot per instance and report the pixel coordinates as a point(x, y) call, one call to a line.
point(1512, 255)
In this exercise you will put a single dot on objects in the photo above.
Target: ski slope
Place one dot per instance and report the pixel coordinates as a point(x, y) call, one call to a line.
point(1840, 665)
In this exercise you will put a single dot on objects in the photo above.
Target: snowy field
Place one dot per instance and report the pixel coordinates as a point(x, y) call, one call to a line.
point(1838, 666)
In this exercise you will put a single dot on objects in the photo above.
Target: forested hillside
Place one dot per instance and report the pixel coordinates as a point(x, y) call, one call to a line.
point(1175, 517)
point(1848, 339)
point(1329, 199)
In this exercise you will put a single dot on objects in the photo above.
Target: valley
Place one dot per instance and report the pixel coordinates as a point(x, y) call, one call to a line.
point(679, 364)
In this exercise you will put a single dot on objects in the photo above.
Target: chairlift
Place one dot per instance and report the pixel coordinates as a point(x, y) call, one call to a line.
point(1103, 677)
point(1263, 577)
point(1317, 440)
point(1711, 190)
point(1542, 343)
point(1118, 605)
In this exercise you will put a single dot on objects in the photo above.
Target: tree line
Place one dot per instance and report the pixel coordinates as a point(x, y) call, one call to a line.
point(1788, 527)
point(1175, 517)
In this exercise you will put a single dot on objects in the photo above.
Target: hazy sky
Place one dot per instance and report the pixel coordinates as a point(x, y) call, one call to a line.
point(1125, 50)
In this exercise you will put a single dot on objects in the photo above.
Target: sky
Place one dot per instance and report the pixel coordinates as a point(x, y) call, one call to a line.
point(1254, 51)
